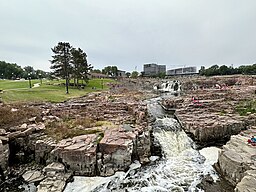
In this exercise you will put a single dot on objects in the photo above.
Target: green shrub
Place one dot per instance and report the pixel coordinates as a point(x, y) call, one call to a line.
point(246, 107)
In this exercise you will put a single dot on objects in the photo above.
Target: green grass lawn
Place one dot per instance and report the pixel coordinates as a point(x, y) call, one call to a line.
point(51, 91)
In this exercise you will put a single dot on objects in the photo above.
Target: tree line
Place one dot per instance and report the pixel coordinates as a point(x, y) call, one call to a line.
point(224, 70)
point(14, 71)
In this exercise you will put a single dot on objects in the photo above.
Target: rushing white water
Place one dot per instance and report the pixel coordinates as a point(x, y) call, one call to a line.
point(180, 169)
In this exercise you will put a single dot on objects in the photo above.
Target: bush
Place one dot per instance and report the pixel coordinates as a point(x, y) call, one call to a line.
point(246, 107)
point(68, 128)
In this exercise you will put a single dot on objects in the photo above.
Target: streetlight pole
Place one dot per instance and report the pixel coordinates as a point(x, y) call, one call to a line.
point(29, 80)
point(102, 83)
point(40, 76)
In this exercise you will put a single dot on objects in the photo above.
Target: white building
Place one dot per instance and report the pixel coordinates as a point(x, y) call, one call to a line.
point(182, 71)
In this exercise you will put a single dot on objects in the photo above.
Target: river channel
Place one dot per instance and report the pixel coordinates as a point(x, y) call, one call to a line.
point(181, 167)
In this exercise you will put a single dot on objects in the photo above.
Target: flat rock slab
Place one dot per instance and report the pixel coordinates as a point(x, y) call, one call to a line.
point(33, 176)
point(57, 167)
point(115, 139)
point(54, 183)
point(237, 163)
point(247, 183)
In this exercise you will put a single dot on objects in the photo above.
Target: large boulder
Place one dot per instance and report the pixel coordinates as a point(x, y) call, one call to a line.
point(77, 154)
point(115, 151)
point(247, 183)
point(237, 162)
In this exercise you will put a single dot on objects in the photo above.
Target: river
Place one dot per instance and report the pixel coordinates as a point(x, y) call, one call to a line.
point(181, 167)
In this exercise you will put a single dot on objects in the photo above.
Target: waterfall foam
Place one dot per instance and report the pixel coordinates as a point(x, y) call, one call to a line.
point(181, 168)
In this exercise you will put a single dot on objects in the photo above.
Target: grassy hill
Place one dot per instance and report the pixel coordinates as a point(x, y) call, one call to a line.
point(16, 91)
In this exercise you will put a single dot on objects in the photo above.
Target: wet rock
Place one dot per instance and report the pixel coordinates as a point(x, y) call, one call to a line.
point(221, 185)
point(143, 146)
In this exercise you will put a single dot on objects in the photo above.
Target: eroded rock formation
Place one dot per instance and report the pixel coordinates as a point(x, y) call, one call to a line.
point(237, 161)
point(210, 115)
point(112, 132)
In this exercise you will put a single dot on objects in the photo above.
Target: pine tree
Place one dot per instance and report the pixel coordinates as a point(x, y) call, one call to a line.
point(80, 65)
point(61, 63)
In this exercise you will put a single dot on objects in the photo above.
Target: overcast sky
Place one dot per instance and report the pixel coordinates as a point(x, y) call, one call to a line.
point(129, 33)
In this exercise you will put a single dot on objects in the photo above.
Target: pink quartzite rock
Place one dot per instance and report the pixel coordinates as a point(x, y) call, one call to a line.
point(116, 149)
point(78, 154)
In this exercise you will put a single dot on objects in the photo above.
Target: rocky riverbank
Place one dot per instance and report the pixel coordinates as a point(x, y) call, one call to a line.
point(218, 110)
point(211, 114)
point(98, 134)
point(237, 161)
point(102, 133)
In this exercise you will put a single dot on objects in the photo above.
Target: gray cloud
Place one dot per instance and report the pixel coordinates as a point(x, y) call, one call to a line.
point(128, 33)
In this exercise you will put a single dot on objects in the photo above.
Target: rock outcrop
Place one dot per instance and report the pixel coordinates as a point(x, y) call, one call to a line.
point(110, 131)
point(211, 115)
point(55, 178)
point(115, 151)
point(77, 154)
point(237, 162)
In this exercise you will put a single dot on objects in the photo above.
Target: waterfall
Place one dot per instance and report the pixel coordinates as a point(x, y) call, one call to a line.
point(180, 169)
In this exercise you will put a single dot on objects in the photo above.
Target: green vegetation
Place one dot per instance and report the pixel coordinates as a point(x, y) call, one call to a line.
point(68, 128)
point(14, 71)
point(50, 91)
point(69, 62)
point(134, 74)
point(246, 107)
point(224, 70)
point(223, 112)
point(16, 114)
point(110, 70)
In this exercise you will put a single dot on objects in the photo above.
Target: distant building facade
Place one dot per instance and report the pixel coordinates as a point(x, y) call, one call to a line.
point(153, 69)
point(121, 73)
point(97, 76)
point(182, 71)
